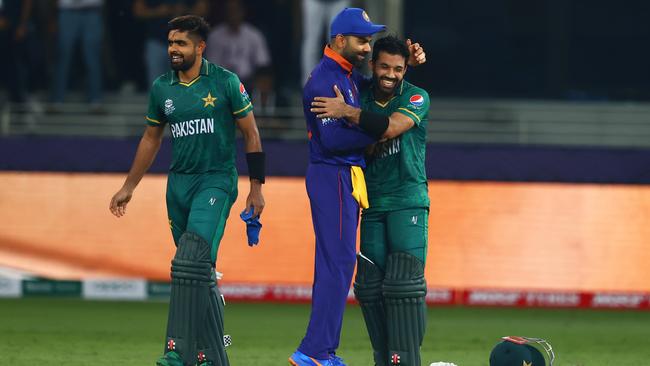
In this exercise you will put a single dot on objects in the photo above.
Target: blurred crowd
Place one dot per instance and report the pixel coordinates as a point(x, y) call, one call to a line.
point(88, 50)
point(119, 46)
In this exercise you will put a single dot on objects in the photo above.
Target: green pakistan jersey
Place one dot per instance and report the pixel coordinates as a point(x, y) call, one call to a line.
point(201, 116)
point(395, 172)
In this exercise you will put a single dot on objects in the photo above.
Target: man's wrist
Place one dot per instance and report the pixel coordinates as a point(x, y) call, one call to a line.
point(374, 124)
point(352, 114)
point(129, 187)
point(256, 162)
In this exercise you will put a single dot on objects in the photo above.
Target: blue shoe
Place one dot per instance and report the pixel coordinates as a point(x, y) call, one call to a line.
point(300, 359)
point(336, 361)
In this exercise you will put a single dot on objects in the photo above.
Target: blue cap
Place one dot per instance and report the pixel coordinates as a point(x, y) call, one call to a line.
point(354, 22)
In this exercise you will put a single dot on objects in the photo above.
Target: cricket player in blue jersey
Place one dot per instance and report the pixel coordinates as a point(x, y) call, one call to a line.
point(335, 182)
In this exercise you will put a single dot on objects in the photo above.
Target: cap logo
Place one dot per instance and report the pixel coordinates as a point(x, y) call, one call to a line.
point(527, 364)
point(365, 16)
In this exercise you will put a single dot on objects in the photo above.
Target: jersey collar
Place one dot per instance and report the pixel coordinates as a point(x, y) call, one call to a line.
point(331, 54)
point(204, 71)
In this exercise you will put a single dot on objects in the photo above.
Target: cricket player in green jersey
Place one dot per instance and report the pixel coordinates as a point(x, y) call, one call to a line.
point(203, 104)
point(390, 284)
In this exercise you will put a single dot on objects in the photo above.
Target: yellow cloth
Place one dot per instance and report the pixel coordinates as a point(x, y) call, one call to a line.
point(359, 191)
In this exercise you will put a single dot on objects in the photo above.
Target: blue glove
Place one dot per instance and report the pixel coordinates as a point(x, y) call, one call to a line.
point(253, 226)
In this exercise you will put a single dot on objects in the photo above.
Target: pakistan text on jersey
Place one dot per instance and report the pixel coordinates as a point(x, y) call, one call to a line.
point(387, 148)
point(192, 127)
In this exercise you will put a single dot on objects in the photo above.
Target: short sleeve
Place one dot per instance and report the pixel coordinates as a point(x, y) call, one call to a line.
point(155, 116)
point(414, 104)
point(240, 101)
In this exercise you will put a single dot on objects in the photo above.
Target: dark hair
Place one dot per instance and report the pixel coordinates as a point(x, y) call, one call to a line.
point(392, 46)
point(194, 25)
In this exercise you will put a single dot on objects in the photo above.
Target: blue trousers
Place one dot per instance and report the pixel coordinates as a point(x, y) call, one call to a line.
point(335, 215)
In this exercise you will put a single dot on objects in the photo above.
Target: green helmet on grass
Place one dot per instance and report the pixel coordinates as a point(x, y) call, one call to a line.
point(519, 351)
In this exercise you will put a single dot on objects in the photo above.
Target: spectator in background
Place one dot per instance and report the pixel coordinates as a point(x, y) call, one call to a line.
point(316, 18)
point(80, 19)
point(14, 27)
point(239, 46)
point(156, 14)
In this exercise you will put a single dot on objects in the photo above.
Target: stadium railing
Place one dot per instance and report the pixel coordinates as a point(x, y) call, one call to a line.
point(605, 124)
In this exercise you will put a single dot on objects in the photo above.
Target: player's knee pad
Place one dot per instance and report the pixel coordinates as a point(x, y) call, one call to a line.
point(368, 291)
point(404, 293)
point(190, 295)
point(404, 277)
point(368, 281)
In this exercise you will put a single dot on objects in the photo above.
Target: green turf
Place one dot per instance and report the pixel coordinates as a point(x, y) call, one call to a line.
point(40, 331)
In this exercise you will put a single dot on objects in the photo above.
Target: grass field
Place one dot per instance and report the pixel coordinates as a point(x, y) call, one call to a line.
point(44, 331)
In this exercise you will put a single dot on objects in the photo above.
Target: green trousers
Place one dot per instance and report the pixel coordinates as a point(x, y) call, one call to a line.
point(200, 203)
point(385, 232)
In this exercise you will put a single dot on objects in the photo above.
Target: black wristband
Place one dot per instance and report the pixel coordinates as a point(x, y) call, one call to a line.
point(373, 123)
point(256, 165)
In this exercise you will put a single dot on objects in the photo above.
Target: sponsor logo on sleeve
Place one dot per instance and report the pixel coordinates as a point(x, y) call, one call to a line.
point(243, 91)
point(416, 100)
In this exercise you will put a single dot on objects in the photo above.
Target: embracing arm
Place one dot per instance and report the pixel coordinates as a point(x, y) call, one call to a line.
point(380, 126)
point(337, 134)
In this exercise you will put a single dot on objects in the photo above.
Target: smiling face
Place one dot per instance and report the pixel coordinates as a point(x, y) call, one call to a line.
point(183, 50)
point(388, 71)
point(355, 48)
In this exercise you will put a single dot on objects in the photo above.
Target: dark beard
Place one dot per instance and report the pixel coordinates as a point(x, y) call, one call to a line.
point(351, 57)
point(185, 65)
point(381, 92)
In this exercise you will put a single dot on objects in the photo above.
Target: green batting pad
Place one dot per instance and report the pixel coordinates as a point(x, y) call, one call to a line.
point(210, 338)
point(404, 295)
point(368, 291)
point(190, 296)
point(170, 358)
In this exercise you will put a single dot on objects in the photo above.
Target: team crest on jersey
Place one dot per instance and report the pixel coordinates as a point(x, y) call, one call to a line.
point(208, 100)
point(169, 107)
point(417, 100)
point(351, 95)
point(243, 91)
